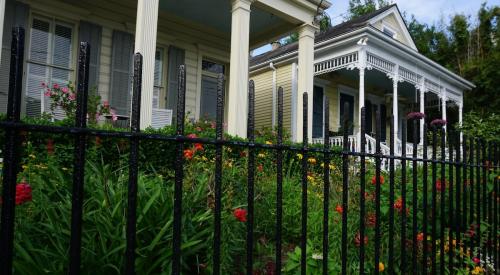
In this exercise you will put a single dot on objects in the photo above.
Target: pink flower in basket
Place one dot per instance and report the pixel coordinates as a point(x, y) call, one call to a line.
point(65, 90)
point(56, 86)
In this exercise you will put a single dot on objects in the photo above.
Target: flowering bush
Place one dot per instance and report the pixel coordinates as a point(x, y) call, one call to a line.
point(64, 97)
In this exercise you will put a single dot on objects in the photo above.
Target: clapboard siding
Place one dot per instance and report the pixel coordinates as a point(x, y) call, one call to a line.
point(197, 41)
point(284, 79)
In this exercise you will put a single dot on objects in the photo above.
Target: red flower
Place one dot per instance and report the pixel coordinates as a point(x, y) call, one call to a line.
point(440, 185)
point(371, 220)
point(357, 240)
point(476, 260)
point(188, 154)
point(50, 146)
point(374, 180)
point(420, 236)
point(240, 214)
point(260, 168)
point(339, 209)
point(198, 129)
point(23, 193)
point(398, 205)
point(192, 136)
point(270, 268)
point(198, 147)
point(97, 141)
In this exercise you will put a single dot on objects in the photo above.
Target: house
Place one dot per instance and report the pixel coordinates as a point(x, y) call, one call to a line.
point(369, 61)
point(208, 36)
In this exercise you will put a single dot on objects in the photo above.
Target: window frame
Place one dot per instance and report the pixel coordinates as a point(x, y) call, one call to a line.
point(163, 76)
point(386, 27)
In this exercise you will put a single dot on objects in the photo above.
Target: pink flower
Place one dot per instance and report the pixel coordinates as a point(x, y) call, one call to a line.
point(113, 115)
point(47, 93)
point(56, 86)
point(65, 90)
point(72, 96)
point(105, 104)
point(44, 84)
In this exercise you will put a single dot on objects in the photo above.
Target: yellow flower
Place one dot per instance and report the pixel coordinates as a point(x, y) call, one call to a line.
point(261, 155)
point(65, 169)
point(312, 160)
point(381, 267)
point(203, 158)
point(300, 156)
point(477, 270)
point(32, 156)
point(310, 178)
point(332, 167)
point(269, 142)
point(25, 167)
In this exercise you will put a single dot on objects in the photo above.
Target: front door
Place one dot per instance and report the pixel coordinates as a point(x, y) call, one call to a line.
point(368, 117)
point(318, 112)
point(345, 98)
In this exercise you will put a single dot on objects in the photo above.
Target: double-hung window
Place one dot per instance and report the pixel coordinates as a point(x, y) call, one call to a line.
point(49, 61)
point(159, 87)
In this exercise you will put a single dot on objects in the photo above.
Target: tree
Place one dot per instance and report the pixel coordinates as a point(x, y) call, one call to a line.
point(361, 7)
point(324, 23)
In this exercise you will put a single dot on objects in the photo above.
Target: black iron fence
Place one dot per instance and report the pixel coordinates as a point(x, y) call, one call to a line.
point(470, 164)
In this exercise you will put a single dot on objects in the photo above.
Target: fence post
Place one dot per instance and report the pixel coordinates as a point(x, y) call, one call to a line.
point(414, 197)
point(218, 172)
point(345, 185)
point(79, 159)
point(362, 179)
point(403, 196)
point(133, 167)
point(303, 238)
point(442, 201)
point(251, 174)
point(378, 182)
point(179, 172)
point(11, 151)
point(391, 199)
point(326, 184)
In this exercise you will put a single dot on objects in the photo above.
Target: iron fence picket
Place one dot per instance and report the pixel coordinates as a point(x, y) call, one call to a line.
point(458, 199)
point(303, 236)
point(471, 189)
point(218, 172)
point(326, 184)
point(442, 200)
point(478, 199)
point(414, 197)
point(391, 199)
point(251, 175)
point(345, 185)
point(179, 172)
point(11, 152)
point(279, 184)
point(362, 180)
point(425, 201)
point(378, 182)
point(79, 159)
point(403, 213)
point(450, 222)
point(433, 201)
point(133, 167)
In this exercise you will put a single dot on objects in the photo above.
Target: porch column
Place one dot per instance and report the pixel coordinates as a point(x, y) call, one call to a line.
point(460, 118)
point(443, 107)
point(422, 110)
point(145, 43)
point(305, 78)
point(2, 19)
point(395, 79)
point(238, 72)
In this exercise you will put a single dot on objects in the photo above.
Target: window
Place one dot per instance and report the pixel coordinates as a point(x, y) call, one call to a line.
point(389, 32)
point(49, 61)
point(210, 71)
point(158, 78)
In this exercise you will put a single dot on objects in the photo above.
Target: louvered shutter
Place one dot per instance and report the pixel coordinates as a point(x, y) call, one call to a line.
point(175, 59)
point(92, 33)
point(16, 14)
point(121, 72)
point(37, 73)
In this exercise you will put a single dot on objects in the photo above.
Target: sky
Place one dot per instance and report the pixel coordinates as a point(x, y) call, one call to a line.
point(425, 11)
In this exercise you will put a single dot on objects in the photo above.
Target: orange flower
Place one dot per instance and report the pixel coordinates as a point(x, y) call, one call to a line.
point(198, 147)
point(339, 209)
point(374, 180)
point(188, 154)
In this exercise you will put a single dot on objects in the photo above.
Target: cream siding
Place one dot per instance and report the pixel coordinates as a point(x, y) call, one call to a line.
point(198, 42)
point(391, 22)
point(284, 79)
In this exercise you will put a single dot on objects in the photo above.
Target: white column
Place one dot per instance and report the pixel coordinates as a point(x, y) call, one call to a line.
point(395, 79)
point(361, 99)
point(305, 78)
point(422, 110)
point(145, 43)
point(2, 19)
point(238, 73)
point(460, 118)
point(443, 106)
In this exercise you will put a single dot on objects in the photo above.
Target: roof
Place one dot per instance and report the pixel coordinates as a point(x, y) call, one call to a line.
point(334, 31)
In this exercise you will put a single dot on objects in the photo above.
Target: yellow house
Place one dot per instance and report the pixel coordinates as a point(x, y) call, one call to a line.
point(208, 36)
point(369, 61)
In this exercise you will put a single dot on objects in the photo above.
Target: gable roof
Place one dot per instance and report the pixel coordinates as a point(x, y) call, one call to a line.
point(342, 28)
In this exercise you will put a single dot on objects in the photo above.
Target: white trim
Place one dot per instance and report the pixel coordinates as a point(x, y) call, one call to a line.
point(394, 32)
point(401, 23)
point(2, 19)
point(293, 125)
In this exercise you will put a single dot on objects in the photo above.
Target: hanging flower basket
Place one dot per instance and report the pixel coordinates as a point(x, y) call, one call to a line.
point(415, 115)
point(438, 122)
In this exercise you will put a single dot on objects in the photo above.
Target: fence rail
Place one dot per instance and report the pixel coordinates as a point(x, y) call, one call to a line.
point(468, 201)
